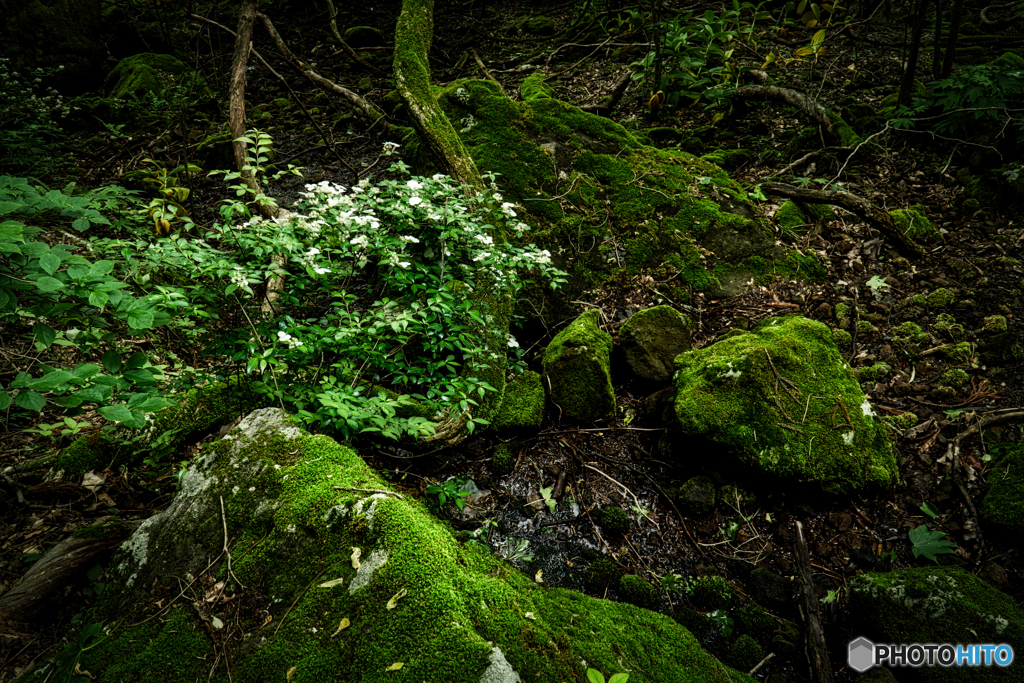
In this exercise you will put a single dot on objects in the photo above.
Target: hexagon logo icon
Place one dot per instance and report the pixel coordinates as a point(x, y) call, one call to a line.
point(862, 655)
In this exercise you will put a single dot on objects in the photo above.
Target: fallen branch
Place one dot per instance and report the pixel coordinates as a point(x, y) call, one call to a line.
point(878, 218)
point(606, 107)
point(345, 46)
point(480, 63)
point(794, 98)
point(816, 649)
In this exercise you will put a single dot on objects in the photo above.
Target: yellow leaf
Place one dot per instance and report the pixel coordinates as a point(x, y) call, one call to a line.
point(539, 576)
point(395, 667)
point(356, 552)
point(393, 602)
point(332, 583)
point(290, 674)
point(341, 627)
point(717, 117)
point(819, 37)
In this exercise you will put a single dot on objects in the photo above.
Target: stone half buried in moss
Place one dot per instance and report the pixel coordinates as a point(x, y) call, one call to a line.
point(938, 605)
point(1003, 505)
point(615, 520)
point(522, 406)
point(298, 506)
point(601, 573)
point(799, 216)
point(637, 591)
point(697, 496)
point(576, 364)
point(146, 73)
point(652, 338)
point(784, 403)
point(714, 592)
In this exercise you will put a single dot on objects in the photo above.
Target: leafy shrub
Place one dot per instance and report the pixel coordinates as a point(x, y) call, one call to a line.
point(981, 93)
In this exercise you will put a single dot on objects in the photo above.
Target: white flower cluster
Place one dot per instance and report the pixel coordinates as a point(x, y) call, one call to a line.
point(390, 148)
point(288, 340)
point(461, 95)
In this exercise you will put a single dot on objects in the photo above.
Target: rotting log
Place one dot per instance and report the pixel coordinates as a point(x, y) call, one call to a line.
point(59, 566)
point(877, 217)
point(817, 650)
point(413, 35)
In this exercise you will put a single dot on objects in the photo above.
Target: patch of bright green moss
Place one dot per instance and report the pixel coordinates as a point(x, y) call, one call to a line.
point(503, 460)
point(535, 87)
point(946, 326)
point(576, 363)
point(615, 520)
point(995, 324)
point(728, 393)
point(842, 338)
point(1003, 505)
point(522, 406)
point(873, 373)
point(914, 224)
point(956, 378)
point(941, 298)
point(142, 74)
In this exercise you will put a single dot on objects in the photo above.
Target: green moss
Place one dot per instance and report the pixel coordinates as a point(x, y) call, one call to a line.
point(956, 378)
point(714, 592)
point(754, 621)
point(522, 406)
point(1003, 505)
point(600, 573)
point(697, 496)
point(576, 363)
point(1009, 60)
point(535, 87)
point(842, 338)
point(503, 460)
point(873, 373)
point(745, 653)
point(614, 520)
point(652, 338)
point(958, 353)
point(144, 73)
point(865, 327)
point(539, 25)
point(729, 159)
point(733, 496)
point(637, 591)
point(901, 422)
point(947, 326)
point(940, 298)
point(726, 395)
point(914, 224)
point(970, 205)
point(937, 605)
point(994, 324)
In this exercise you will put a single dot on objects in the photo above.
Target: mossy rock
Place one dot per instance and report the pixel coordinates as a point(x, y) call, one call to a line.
point(687, 219)
point(754, 621)
point(651, 339)
point(600, 573)
point(745, 653)
point(956, 378)
point(576, 363)
point(615, 520)
point(729, 159)
point(937, 605)
point(539, 25)
point(714, 592)
point(727, 397)
point(697, 496)
point(733, 496)
point(363, 36)
point(637, 591)
point(535, 87)
point(914, 224)
point(149, 73)
point(297, 506)
point(1009, 60)
point(502, 460)
point(901, 422)
point(522, 406)
point(941, 298)
point(873, 373)
point(1003, 505)
point(947, 327)
point(994, 324)
point(798, 216)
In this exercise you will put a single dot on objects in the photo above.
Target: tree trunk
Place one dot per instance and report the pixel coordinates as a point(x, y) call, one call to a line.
point(58, 567)
point(236, 88)
point(910, 68)
point(954, 34)
point(876, 217)
point(413, 35)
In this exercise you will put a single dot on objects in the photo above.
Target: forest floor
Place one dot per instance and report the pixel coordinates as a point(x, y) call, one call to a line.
point(846, 536)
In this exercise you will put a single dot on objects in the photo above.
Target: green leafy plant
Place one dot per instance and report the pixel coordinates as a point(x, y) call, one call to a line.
point(514, 550)
point(929, 509)
point(929, 544)
point(65, 428)
point(722, 619)
point(831, 596)
point(167, 208)
point(450, 490)
point(66, 661)
point(259, 149)
point(973, 95)
point(546, 495)
point(595, 676)
point(876, 284)
point(677, 583)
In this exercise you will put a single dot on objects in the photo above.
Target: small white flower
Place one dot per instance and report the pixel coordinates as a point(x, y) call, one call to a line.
point(284, 336)
point(415, 201)
point(485, 239)
point(438, 177)
point(497, 197)
point(414, 184)
point(321, 271)
point(404, 264)
point(313, 251)
point(482, 255)
point(512, 343)
point(409, 239)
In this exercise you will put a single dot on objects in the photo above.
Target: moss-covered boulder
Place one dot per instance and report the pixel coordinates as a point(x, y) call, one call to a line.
point(913, 223)
point(146, 73)
point(938, 605)
point(605, 205)
point(798, 216)
point(1003, 505)
point(522, 406)
point(784, 403)
point(576, 364)
point(651, 340)
point(333, 577)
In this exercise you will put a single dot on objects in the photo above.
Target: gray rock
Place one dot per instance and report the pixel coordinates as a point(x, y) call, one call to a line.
point(652, 339)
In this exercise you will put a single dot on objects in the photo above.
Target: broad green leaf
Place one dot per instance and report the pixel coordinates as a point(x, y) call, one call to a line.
point(595, 676)
point(30, 400)
point(153, 404)
point(136, 360)
point(929, 509)
point(50, 262)
point(97, 393)
point(5, 400)
point(86, 370)
point(101, 268)
point(930, 543)
point(11, 231)
point(116, 413)
point(78, 272)
point(140, 320)
point(48, 284)
point(98, 299)
point(68, 401)
point(80, 224)
point(618, 678)
point(111, 361)
point(44, 334)
point(50, 380)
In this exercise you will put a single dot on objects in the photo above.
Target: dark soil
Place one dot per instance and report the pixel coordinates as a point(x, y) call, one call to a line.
point(617, 463)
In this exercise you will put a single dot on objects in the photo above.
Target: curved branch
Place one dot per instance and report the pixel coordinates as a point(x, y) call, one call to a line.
point(793, 98)
point(875, 216)
point(983, 15)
